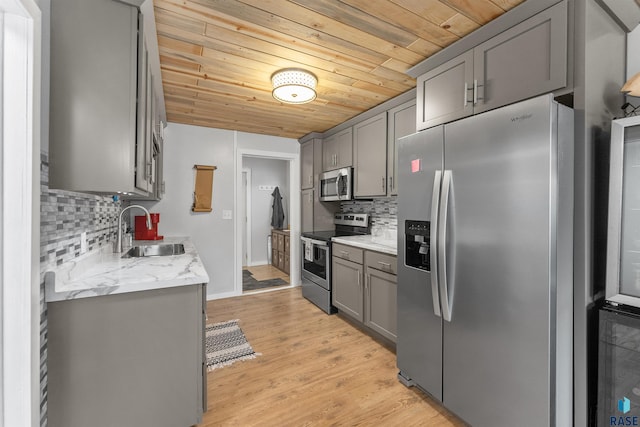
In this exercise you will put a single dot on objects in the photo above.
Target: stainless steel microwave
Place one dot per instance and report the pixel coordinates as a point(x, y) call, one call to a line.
point(336, 185)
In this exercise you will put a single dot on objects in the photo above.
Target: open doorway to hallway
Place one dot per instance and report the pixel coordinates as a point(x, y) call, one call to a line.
point(265, 181)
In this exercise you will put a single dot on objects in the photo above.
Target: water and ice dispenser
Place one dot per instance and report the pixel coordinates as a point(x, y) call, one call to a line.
point(417, 245)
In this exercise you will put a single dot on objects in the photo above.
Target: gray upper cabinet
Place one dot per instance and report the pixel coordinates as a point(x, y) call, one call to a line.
point(337, 150)
point(306, 165)
point(102, 99)
point(527, 60)
point(443, 93)
point(536, 54)
point(306, 209)
point(401, 122)
point(370, 156)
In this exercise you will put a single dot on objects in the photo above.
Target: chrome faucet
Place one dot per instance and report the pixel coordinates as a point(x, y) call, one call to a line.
point(118, 246)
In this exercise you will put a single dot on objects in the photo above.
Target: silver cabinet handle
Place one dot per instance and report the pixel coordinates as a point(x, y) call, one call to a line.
point(475, 91)
point(345, 254)
point(466, 98)
point(358, 277)
point(391, 182)
point(384, 264)
point(383, 180)
point(442, 247)
point(433, 236)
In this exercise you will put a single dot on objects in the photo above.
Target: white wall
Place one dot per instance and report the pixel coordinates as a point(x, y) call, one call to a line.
point(265, 172)
point(214, 237)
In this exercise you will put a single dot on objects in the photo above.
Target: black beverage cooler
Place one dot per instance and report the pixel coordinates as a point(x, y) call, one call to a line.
point(619, 367)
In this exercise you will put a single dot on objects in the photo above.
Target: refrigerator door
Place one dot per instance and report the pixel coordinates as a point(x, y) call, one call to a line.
point(497, 345)
point(419, 345)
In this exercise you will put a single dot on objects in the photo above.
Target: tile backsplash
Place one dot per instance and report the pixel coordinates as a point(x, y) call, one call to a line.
point(63, 216)
point(383, 212)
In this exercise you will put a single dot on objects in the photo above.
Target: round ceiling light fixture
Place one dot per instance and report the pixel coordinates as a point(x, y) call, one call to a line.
point(294, 86)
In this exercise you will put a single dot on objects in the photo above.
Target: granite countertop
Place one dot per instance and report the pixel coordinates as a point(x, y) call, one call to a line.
point(383, 244)
point(102, 272)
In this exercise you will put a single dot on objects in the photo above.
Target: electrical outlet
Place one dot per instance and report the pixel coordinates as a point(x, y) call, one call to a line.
point(226, 214)
point(83, 242)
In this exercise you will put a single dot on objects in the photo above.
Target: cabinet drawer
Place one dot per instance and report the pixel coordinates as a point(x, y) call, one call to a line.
point(382, 262)
point(348, 252)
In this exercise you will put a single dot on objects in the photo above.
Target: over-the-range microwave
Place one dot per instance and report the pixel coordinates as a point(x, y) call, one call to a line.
point(336, 185)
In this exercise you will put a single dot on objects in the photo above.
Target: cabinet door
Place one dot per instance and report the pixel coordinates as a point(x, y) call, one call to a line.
point(347, 293)
point(144, 106)
point(274, 258)
point(401, 122)
point(370, 155)
point(329, 154)
point(381, 303)
point(344, 149)
point(306, 210)
point(94, 62)
point(286, 244)
point(306, 165)
point(445, 93)
point(527, 60)
point(280, 242)
point(286, 264)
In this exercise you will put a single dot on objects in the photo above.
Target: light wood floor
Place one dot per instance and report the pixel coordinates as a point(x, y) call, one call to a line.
point(315, 370)
point(266, 272)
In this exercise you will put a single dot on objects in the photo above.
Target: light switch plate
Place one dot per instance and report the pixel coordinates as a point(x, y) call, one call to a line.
point(226, 214)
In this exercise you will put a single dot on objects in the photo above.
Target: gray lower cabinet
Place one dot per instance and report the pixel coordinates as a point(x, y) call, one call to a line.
point(381, 302)
point(348, 287)
point(370, 156)
point(134, 359)
point(365, 288)
point(526, 60)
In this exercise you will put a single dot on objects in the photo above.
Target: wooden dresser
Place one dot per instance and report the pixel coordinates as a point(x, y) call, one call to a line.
point(280, 249)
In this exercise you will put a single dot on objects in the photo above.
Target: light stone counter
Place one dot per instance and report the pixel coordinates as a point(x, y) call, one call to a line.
point(102, 272)
point(372, 243)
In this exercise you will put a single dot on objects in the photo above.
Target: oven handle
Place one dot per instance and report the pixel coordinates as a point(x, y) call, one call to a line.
point(314, 242)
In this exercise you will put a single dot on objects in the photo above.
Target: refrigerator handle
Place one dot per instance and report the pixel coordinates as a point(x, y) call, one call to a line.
point(442, 247)
point(433, 238)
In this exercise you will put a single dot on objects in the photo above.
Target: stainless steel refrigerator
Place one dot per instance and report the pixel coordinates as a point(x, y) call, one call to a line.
point(485, 229)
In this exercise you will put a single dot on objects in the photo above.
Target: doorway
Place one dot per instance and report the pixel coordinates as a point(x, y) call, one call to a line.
point(264, 181)
point(20, 109)
point(258, 263)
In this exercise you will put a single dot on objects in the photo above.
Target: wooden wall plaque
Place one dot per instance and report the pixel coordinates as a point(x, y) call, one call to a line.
point(203, 193)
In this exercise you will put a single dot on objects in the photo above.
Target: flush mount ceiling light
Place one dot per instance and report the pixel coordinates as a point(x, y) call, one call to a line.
point(294, 86)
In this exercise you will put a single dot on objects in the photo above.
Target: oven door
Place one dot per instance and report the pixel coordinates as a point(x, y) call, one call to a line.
point(316, 262)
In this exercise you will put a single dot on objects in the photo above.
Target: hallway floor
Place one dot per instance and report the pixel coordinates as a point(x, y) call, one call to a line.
point(260, 277)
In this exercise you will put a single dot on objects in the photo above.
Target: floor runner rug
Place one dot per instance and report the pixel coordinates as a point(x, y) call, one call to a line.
point(226, 344)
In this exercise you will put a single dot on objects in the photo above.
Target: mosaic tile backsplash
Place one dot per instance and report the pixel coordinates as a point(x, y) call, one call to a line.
point(383, 212)
point(63, 216)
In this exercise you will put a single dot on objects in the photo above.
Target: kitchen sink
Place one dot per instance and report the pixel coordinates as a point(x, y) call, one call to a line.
point(166, 249)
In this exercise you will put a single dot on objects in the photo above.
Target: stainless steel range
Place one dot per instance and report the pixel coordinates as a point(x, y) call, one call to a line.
point(316, 257)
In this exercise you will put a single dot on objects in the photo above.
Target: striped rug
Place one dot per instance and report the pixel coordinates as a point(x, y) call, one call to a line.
point(226, 344)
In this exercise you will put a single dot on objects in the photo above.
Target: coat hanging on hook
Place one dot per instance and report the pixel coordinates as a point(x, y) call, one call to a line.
point(277, 214)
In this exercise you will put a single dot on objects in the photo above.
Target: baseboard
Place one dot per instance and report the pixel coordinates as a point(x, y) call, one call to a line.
point(211, 297)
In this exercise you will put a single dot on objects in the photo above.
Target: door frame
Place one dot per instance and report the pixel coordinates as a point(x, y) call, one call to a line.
point(20, 130)
point(293, 160)
point(247, 204)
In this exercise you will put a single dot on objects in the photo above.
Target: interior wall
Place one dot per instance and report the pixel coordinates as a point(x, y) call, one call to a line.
point(265, 173)
point(212, 234)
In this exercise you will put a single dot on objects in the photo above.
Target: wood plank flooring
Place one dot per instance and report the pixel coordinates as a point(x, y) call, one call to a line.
point(315, 370)
point(266, 272)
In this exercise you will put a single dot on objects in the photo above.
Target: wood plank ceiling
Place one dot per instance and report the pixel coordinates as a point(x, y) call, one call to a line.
point(217, 56)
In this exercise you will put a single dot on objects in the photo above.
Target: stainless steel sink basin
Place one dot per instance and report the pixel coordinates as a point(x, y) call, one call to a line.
point(165, 249)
